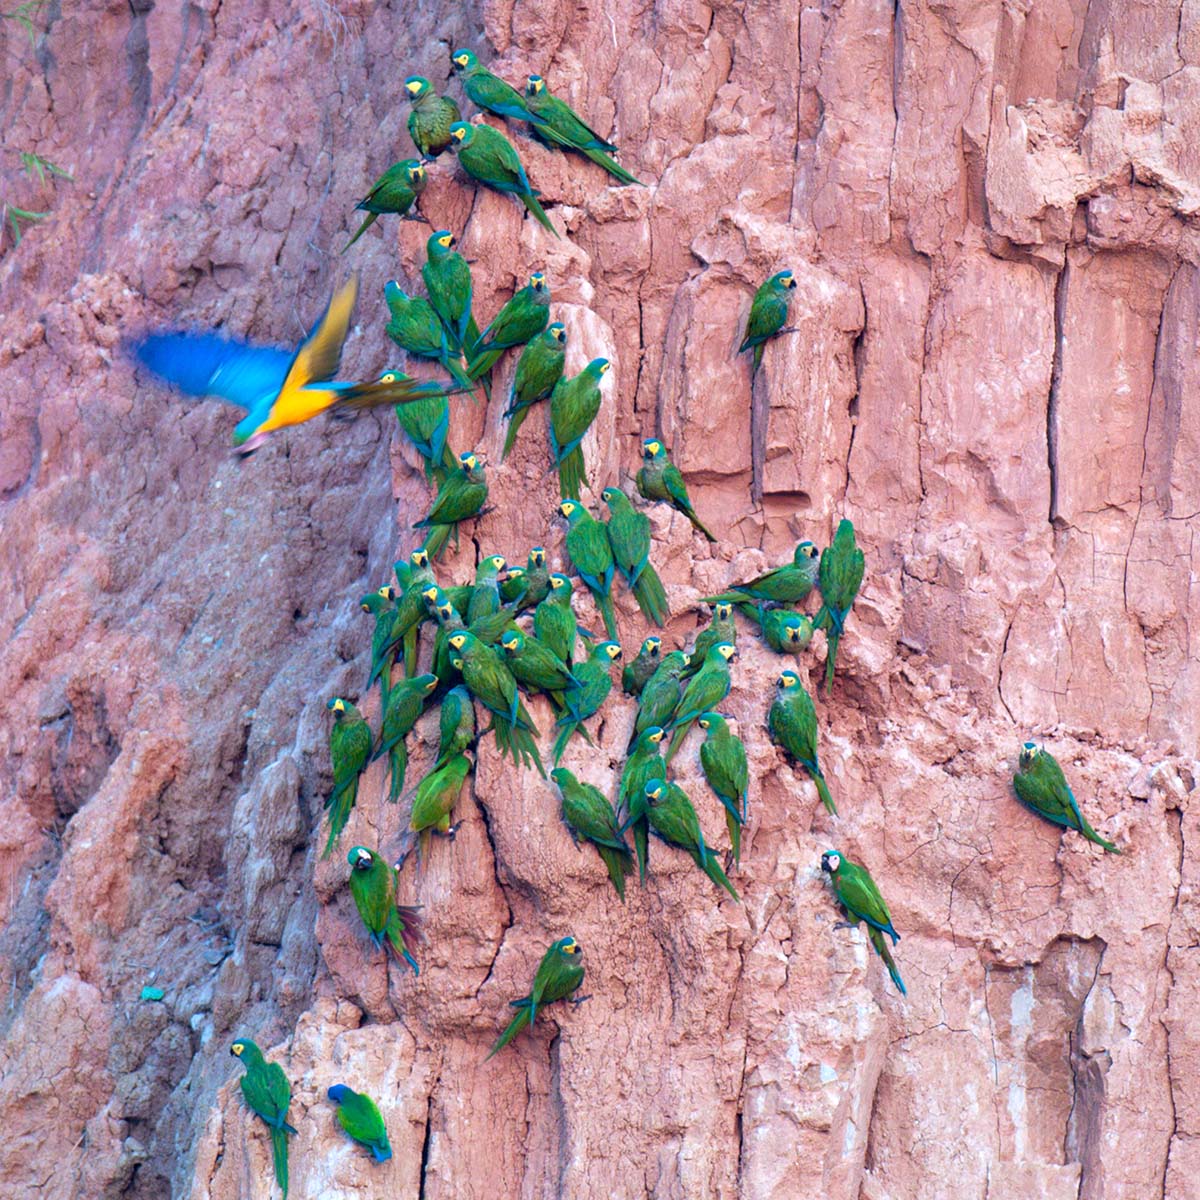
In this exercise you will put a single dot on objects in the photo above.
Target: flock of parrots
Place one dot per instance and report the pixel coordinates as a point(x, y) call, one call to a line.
point(480, 654)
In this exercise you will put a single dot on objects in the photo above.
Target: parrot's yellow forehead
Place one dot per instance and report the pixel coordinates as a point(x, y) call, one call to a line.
point(785, 277)
point(808, 549)
point(559, 332)
point(723, 610)
point(446, 240)
point(433, 682)
point(605, 366)
point(537, 556)
point(457, 663)
point(469, 461)
point(535, 83)
point(556, 581)
point(386, 592)
point(339, 706)
point(571, 946)
point(365, 606)
point(462, 58)
point(567, 507)
point(725, 650)
point(788, 680)
point(420, 558)
point(458, 132)
point(458, 641)
point(657, 735)
point(515, 572)
point(655, 790)
point(613, 651)
point(509, 639)
point(430, 593)
point(414, 85)
point(444, 611)
point(537, 279)
point(704, 722)
point(652, 645)
point(652, 447)
point(497, 561)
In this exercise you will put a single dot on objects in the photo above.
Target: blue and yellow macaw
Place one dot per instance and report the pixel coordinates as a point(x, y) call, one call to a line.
point(276, 387)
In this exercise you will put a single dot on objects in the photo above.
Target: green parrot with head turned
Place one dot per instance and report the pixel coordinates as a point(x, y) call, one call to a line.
point(1042, 787)
point(720, 629)
point(780, 585)
point(859, 895)
point(267, 1093)
point(456, 725)
point(381, 605)
point(537, 579)
point(702, 693)
point(513, 588)
point(591, 555)
point(589, 816)
point(523, 317)
point(395, 191)
point(792, 724)
point(659, 479)
point(426, 424)
point(485, 595)
point(574, 404)
point(644, 765)
point(559, 974)
point(539, 369)
point(673, 818)
point(431, 117)
point(595, 683)
point(629, 537)
point(785, 631)
point(391, 925)
point(434, 801)
point(723, 760)
point(447, 277)
point(462, 495)
point(362, 1120)
point(416, 328)
point(768, 312)
point(406, 701)
point(488, 157)
point(349, 751)
point(409, 614)
point(536, 667)
point(841, 575)
point(660, 696)
point(489, 91)
point(637, 673)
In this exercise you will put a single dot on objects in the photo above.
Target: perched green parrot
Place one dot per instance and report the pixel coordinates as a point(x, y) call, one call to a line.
point(589, 816)
point(349, 751)
point(574, 404)
point(448, 281)
point(431, 117)
point(539, 369)
point(461, 496)
point(426, 424)
point(858, 894)
point(720, 629)
point(522, 318)
point(537, 579)
point(629, 537)
point(660, 696)
point(637, 673)
point(381, 606)
point(395, 191)
point(434, 801)
point(644, 765)
point(780, 585)
point(554, 623)
point(723, 760)
point(595, 683)
point(492, 684)
point(456, 725)
point(792, 724)
point(785, 631)
point(558, 975)
point(485, 595)
point(405, 703)
point(563, 128)
point(659, 479)
point(391, 925)
point(702, 693)
point(536, 667)
point(267, 1093)
point(359, 1117)
point(489, 91)
point(591, 556)
point(417, 329)
point(513, 587)
point(768, 312)
point(1042, 787)
point(449, 621)
point(409, 615)
point(491, 159)
point(841, 575)
point(673, 818)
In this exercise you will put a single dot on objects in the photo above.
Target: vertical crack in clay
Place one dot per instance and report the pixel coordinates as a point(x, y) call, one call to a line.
point(1060, 309)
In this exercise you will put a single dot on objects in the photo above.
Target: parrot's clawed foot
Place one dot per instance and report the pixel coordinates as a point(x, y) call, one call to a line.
point(578, 1000)
point(452, 832)
point(846, 925)
point(729, 861)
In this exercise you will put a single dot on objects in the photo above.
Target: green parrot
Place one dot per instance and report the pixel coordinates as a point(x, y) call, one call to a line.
point(564, 129)
point(381, 605)
point(522, 318)
point(595, 683)
point(1042, 787)
point(461, 496)
point(391, 925)
point(431, 117)
point(780, 585)
point(426, 424)
point(417, 329)
point(448, 281)
point(362, 1120)
point(644, 765)
point(349, 751)
point(660, 696)
point(785, 631)
point(489, 91)
point(539, 369)
point(267, 1093)
point(702, 693)
point(792, 724)
point(559, 974)
point(536, 667)
point(485, 595)
point(591, 555)
point(395, 191)
point(410, 613)
point(629, 537)
point(513, 587)
point(723, 760)
point(859, 895)
point(768, 312)
point(537, 579)
point(574, 404)
point(841, 575)
point(589, 815)
point(720, 629)
point(490, 158)
point(456, 725)
point(487, 629)
point(638, 672)
point(405, 704)
point(554, 623)
point(492, 684)
point(434, 801)
point(673, 818)
point(659, 479)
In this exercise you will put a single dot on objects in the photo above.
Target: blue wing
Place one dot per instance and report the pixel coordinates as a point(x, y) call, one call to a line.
point(202, 364)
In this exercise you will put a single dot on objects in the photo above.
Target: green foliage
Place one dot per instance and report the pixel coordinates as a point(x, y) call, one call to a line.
point(35, 164)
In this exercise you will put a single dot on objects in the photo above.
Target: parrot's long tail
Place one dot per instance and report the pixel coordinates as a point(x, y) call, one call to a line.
point(733, 823)
point(404, 934)
point(516, 419)
point(731, 597)
point(1092, 836)
point(483, 361)
point(371, 217)
point(410, 651)
point(881, 948)
point(456, 372)
point(538, 211)
point(641, 845)
point(605, 605)
point(517, 743)
point(677, 739)
point(279, 1151)
point(572, 474)
point(822, 787)
point(709, 865)
point(831, 649)
point(690, 513)
point(619, 865)
point(514, 1027)
point(758, 353)
point(569, 726)
point(435, 543)
point(398, 760)
point(613, 168)
point(651, 596)
point(339, 806)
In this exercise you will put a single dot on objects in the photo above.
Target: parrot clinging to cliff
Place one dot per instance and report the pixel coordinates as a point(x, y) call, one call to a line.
point(523, 317)
point(431, 117)
point(426, 424)
point(721, 628)
point(447, 277)
point(362, 1120)
point(644, 765)
point(267, 1092)
point(349, 750)
point(489, 91)
point(405, 702)
point(395, 191)
point(723, 760)
point(539, 369)
point(629, 537)
point(673, 818)
point(780, 585)
point(415, 327)
point(536, 667)
point(554, 622)
point(434, 801)
point(768, 312)
point(660, 695)
point(859, 895)
point(792, 724)
point(373, 888)
point(589, 816)
point(537, 579)
point(841, 575)
point(559, 974)
point(784, 630)
point(1042, 787)
point(702, 693)
point(591, 555)
point(490, 158)
point(585, 701)
point(637, 673)
point(659, 479)
point(574, 404)
point(462, 495)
